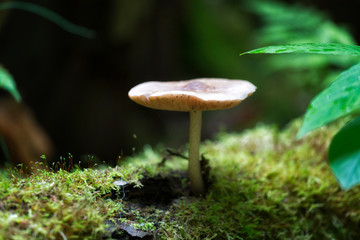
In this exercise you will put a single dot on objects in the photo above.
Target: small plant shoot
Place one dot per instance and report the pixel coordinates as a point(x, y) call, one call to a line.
point(340, 99)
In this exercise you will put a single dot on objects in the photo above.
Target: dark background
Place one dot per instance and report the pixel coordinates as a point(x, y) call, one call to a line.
point(77, 87)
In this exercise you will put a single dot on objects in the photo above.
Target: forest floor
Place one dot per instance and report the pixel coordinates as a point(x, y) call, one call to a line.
point(262, 184)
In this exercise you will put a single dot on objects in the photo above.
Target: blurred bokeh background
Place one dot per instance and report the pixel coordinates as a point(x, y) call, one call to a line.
point(76, 88)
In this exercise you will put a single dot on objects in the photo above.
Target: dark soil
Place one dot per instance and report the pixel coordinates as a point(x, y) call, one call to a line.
point(152, 200)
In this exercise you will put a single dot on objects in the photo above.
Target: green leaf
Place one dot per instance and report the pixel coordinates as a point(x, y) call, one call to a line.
point(8, 83)
point(319, 48)
point(344, 155)
point(341, 98)
point(51, 16)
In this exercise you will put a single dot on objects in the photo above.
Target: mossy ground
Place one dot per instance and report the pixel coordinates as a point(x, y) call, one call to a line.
point(265, 184)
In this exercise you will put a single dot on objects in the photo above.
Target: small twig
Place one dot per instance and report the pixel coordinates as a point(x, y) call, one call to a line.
point(169, 155)
point(173, 153)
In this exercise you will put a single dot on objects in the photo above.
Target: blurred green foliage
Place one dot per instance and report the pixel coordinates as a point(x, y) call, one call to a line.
point(296, 24)
point(49, 15)
point(291, 24)
point(218, 30)
point(341, 98)
point(7, 82)
point(154, 40)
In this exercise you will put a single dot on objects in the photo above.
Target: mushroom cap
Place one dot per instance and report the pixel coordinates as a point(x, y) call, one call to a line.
point(192, 95)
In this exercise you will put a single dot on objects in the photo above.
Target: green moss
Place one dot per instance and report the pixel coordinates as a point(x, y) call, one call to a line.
point(268, 185)
point(53, 205)
point(265, 185)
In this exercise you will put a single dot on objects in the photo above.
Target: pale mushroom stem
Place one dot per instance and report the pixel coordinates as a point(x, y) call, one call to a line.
point(194, 170)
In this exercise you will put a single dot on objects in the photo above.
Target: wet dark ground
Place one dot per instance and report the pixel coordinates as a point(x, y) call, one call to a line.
point(151, 201)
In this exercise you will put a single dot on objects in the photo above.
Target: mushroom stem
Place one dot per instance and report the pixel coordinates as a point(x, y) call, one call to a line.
point(194, 170)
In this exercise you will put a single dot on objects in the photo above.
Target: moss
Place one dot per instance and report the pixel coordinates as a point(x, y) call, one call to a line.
point(265, 185)
point(268, 185)
point(54, 205)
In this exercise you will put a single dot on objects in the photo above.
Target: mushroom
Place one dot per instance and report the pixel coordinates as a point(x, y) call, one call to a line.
point(192, 96)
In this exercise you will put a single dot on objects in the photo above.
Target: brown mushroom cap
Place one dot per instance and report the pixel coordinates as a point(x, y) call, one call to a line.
point(198, 94)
